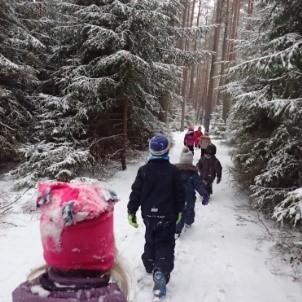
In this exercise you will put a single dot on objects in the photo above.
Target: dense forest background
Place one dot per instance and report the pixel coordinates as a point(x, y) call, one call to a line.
point(83, 81)
point(87, 81)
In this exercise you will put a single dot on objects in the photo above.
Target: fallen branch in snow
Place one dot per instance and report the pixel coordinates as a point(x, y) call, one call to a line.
point(104, 139)
point(115, 153)
point(5, 208)
point(10, 223)
point(263, 223)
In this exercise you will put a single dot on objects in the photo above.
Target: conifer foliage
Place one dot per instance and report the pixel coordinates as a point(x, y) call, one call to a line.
point(94, 75)
point(267, 116)
point(19, 61)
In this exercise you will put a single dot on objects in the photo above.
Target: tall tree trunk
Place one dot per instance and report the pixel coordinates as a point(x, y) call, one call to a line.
point(185, 71)
point(210, 96)
point(202, 91)
point(234, 31)
point(164, 101)
point(201, 80)
point(250, 8)
point(192, 12)
point(250, 11)
point(224, 56)
point(231, 53)
point(194, 67)
point(191, 71)
point(226, 102)
point(125, 135)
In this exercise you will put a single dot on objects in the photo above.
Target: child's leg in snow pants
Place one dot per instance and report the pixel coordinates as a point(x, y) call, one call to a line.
point(191, 148)
point(209, 188)
point(188, 216)
point(190, 212)
point(159, 246)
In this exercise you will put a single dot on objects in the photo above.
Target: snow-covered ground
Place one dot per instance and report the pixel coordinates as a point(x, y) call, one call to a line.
point(225, 256)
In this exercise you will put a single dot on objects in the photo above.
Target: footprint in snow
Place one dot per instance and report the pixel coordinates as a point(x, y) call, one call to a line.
point(221, 295)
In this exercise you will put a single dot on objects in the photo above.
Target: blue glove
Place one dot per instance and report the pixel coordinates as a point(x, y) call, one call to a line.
point(205, 200)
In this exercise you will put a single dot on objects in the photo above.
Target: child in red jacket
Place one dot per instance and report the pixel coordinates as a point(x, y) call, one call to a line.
point(197, 137)
point(189, 139)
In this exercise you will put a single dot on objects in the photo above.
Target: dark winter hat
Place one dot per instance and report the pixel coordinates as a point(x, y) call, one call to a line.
point(186, 156)
point(159, 145)
point(211, 149)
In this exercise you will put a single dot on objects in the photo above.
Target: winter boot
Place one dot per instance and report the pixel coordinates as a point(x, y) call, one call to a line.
point(159, 289)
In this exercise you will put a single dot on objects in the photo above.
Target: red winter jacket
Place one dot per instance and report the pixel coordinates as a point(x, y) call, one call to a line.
point(189, 139)
point(197, 137)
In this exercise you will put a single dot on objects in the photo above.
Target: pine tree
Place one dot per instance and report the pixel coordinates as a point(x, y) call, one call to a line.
point(44, 150)
point(109, 66)
point(21, 56)
point(267, 117)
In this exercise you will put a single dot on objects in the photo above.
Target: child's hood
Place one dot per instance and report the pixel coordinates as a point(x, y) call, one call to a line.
point(35, 291)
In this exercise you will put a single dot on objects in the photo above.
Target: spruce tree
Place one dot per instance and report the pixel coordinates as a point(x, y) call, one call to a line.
point(106, 71)
point(267, 117)
point(20, 60)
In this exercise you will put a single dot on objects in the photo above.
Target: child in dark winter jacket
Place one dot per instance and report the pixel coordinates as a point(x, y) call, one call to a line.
point(77, 237)
point(209, 168)
point(159, 191)
point(204, 142)
point(192, 183)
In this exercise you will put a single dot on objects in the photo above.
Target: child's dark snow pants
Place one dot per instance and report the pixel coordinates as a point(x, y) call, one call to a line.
point(209, 188)
point(188, 216)
point(159, 246)
point(191, 148)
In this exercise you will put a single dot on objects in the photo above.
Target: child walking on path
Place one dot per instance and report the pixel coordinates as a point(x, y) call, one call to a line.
point(77, 237)
point(209, 168)
point(191, 182)
point(204, 142)
point(189, 139)
point(197, 137)
point(159, 191)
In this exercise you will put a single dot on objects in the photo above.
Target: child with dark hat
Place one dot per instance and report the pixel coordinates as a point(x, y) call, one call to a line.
point(209, 168)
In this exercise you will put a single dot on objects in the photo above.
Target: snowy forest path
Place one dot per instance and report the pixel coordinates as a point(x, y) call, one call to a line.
point(227, 255)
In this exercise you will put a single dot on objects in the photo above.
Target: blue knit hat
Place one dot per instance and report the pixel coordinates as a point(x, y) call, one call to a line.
point(159, 145)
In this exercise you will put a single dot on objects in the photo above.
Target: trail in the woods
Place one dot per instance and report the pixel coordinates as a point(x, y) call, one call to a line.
point(228, 255)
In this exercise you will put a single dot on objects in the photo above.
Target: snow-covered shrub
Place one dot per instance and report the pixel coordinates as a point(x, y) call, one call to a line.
point(290, 209)
point(60, 161)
